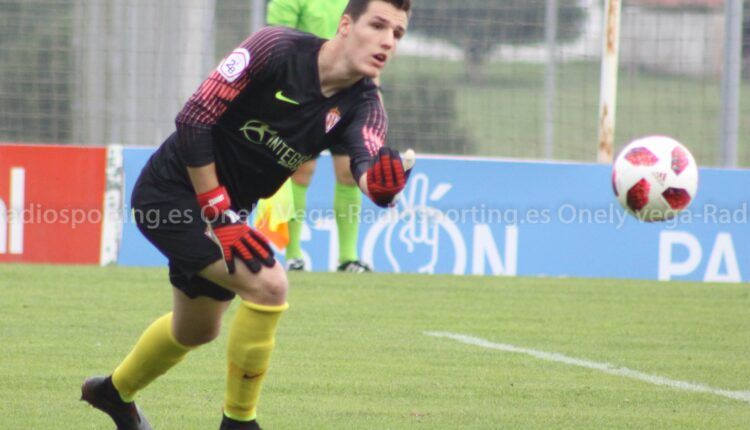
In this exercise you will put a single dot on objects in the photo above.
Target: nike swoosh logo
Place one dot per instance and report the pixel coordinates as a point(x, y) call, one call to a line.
point(283, 98)
point(247, 376)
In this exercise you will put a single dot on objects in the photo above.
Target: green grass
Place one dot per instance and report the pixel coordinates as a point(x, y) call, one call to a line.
point(504, 115)
point(352, 353)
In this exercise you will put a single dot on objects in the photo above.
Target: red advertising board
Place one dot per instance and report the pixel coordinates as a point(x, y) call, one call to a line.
point(51, 203)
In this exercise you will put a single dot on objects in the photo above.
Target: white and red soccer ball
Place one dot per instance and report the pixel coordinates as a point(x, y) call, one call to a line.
point(654, 178)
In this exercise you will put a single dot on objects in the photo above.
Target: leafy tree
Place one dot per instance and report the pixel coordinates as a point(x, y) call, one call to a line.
point(422, 115)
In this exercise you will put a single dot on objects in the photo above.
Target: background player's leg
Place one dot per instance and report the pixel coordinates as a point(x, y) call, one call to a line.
point(252, 333)
point(300, 182)
point(347, 204)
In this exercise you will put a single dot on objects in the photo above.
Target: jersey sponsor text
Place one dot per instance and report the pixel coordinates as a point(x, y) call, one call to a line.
point(259, 133)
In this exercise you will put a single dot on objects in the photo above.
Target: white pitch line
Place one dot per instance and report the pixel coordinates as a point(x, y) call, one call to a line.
point(611, 369)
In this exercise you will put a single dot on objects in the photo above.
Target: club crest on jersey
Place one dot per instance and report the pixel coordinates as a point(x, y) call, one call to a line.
point(332, 118)
point(232, 67)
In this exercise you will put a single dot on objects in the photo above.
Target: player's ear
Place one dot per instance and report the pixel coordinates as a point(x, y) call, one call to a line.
point(345, 24)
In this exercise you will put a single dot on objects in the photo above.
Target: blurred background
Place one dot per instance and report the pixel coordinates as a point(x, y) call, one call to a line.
point(501, 78)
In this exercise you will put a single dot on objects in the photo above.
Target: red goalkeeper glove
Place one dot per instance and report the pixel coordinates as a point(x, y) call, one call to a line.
point(234, 237)
point(238, 240)
point(213, 203)
point(386, 177)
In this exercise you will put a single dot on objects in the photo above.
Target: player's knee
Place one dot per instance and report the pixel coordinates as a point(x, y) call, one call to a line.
point(303, 175)
point(345, 178)
point(268, 287)
point(342, 170)
point(273, 287)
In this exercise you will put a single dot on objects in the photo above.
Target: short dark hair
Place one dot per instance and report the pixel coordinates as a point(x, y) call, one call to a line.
point(356, 8)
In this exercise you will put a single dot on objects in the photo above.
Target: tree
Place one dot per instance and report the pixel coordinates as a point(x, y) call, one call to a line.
point(479, 25)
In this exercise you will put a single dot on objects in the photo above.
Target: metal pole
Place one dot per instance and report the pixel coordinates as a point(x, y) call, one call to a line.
point(608, 80)
point(132, 53)
point(550, 81)
point(116, 96)
point(730, 82)
point(91, 80)
point(258, 15)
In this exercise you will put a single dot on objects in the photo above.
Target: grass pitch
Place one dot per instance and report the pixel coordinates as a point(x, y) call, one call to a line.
point(352, 352)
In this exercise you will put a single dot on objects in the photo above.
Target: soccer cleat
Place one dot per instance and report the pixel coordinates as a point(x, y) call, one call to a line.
point(100, 393)
point(295, 265)
point(230, 424)
point(354, 266)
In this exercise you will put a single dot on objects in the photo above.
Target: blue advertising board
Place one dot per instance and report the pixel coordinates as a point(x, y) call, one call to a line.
point(474, 216)
point(135, 250)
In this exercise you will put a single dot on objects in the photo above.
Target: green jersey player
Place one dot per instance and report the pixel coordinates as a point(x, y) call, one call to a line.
point(321, 18)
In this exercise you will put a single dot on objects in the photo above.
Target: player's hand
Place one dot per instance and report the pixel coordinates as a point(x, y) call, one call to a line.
point(235, 238)
point(238, 240)
point(386, 177)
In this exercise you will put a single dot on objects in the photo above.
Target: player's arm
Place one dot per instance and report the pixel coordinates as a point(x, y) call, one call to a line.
point(254, 60)
point(283, 12)
point(379, 170)
point(195, 145)
point(229, 231)
point(204, 178)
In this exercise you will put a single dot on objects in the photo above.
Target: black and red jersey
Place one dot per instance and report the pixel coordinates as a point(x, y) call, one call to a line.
point(261, 114)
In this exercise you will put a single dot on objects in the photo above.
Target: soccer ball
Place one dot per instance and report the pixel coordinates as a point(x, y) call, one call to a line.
point(654, 178)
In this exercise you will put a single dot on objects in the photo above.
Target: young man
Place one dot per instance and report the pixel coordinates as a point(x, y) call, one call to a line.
point(275, 102)
point(321, 18)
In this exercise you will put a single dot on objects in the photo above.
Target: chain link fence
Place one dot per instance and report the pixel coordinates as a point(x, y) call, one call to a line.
point(472, 77)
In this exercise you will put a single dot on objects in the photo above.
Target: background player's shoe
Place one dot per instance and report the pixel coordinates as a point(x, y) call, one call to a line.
point(230, 424)
point(295, 265)
point(101, 394)
point(355, 266)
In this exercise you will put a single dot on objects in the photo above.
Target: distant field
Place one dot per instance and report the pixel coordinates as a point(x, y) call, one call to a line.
point(505, 114)
point(353, 352)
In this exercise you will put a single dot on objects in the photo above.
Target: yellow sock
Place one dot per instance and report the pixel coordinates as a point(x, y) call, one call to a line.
point(251, 340)
point(154, 353)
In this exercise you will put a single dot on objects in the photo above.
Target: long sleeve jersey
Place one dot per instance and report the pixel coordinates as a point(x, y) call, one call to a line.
point(261, 114)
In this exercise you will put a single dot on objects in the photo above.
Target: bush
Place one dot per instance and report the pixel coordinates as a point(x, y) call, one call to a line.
point(422, 115)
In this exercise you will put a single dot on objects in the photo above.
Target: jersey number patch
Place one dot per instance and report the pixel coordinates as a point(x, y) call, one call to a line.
point(235, 63)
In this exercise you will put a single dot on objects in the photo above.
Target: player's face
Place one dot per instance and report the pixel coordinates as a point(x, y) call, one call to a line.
point(371, 40)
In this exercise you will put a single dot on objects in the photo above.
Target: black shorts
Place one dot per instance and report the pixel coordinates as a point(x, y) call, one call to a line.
point(167, 213)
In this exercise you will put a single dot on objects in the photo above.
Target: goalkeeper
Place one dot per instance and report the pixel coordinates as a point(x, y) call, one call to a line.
point(268, 108)
point(320, 17)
